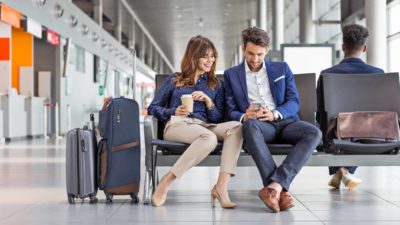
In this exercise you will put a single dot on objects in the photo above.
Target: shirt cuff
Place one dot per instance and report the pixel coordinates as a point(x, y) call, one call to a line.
point(241, 118)
point(279, 114)
point(172, 111)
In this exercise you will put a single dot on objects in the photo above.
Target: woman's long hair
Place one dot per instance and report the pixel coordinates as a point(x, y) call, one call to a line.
point(196, 49)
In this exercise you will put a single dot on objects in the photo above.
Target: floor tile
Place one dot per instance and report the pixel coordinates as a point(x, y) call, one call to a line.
point(33, 185)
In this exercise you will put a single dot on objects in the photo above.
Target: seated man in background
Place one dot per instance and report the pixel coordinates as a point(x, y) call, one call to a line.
point(354, 44)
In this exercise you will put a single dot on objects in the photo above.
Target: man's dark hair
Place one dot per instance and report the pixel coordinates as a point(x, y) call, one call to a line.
point(256, 36)
point(354, 36)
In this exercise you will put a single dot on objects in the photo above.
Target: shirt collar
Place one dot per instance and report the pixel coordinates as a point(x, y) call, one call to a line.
point(248, 69)
point(353, 59)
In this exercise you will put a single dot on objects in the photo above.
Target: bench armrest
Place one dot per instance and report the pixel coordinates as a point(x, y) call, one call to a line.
point(150, 133)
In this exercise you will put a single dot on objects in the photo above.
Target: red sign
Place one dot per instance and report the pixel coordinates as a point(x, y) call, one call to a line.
point(10, 16)
point(52, 37)
point(4, 49)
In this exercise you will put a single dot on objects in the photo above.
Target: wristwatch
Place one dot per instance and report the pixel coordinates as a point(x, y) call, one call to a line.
point(276, 115)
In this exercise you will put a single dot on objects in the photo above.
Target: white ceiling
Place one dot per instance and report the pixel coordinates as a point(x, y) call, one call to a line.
point(173, 22)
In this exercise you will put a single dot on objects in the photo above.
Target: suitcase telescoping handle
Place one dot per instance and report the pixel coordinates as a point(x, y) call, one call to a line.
point(92, 122)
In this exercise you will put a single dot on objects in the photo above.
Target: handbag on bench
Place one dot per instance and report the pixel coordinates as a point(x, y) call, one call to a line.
point(363, 131)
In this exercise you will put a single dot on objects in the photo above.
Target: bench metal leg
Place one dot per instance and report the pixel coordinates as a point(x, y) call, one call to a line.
point(148, 188)
point(154, 177)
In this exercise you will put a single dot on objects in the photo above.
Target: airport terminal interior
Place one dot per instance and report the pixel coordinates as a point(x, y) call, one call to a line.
point(60, 60)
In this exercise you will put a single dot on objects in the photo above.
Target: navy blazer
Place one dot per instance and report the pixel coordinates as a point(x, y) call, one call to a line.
point(281, 83)
point(346, 66)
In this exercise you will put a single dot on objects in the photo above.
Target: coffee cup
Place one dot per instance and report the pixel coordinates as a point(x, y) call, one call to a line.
point(187, 101)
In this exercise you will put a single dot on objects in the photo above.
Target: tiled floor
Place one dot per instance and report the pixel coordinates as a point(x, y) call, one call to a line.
point(32, 191)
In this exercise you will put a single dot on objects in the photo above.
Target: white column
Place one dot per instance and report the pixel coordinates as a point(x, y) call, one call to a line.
point(150, 57)
point(306, 28)
point(252, 22)
point(375, 14)
point(278, 24)
point(98, 12)
point(236, 59)
point(142, 47)
point(262, 14)
point(132, 33)
point(240, 54)
point(118, 20)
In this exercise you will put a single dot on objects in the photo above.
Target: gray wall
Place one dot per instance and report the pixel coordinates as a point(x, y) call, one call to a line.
point(45, 60)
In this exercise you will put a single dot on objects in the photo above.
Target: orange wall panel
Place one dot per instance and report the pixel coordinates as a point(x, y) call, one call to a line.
point(10, 16)
point(22, 53)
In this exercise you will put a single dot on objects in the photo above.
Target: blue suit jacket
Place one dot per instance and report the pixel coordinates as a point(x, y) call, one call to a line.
point(281, 83)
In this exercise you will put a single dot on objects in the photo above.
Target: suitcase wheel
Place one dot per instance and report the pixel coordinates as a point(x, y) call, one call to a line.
point(93, 199)
point(135, 198)
point(71, 199)
point(109, 199)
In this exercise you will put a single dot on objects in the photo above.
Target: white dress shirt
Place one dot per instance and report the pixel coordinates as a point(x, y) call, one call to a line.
point(258, 88)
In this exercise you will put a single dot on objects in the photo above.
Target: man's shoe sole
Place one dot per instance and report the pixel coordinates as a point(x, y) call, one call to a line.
point(269, 207)
point(334, 185)
point(352, 185)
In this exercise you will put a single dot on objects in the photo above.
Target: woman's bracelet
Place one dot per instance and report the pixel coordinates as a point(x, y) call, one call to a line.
point(211, 106)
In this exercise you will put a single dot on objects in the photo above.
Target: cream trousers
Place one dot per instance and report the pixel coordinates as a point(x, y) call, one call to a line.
point(203, 138)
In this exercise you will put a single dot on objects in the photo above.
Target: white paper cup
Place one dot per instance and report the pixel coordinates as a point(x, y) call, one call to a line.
point(187, 100)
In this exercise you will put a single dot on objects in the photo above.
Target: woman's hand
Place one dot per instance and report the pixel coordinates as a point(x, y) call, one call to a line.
point(181, 111)
point(200, 96)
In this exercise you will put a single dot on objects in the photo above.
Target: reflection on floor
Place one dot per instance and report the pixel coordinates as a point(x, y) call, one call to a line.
point(32, 191)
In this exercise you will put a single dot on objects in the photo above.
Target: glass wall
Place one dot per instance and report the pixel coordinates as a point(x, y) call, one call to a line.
point(393, 36)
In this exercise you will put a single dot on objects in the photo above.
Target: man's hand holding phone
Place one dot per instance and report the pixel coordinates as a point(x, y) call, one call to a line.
point(251, 112)
point(264, 114)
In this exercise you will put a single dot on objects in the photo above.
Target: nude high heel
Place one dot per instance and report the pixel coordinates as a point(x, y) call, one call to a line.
point(158, 201)
point(215, 195)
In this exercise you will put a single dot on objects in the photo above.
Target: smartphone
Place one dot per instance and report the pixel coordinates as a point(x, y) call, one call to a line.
point(256, 105)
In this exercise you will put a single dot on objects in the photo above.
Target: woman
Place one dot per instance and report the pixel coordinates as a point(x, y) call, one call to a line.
point(199, 128)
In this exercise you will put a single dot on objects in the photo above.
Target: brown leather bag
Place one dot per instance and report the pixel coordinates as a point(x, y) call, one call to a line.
point(365, 127)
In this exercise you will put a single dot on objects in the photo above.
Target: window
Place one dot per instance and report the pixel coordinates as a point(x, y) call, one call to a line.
point(80, 59)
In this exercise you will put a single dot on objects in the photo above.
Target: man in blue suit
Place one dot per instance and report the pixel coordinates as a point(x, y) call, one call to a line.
point(263, 96)
point(354, 44)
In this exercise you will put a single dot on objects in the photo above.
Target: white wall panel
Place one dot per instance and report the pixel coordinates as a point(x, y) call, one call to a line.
point(26, 81)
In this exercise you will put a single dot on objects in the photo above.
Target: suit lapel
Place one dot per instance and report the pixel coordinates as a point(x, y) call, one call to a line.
point(242, 79)
point(270, 79)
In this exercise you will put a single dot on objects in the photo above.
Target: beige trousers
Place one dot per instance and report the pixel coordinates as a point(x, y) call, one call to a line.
point(203, 138)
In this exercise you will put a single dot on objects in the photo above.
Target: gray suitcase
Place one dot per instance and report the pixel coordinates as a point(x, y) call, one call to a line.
point(81, 166)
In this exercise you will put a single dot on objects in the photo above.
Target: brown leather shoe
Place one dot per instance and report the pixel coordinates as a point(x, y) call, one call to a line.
point(270, 198)
point(286, 201)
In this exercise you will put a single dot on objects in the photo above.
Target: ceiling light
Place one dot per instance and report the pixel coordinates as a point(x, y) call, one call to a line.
point(229, 5)
point(41, 2)
point(59, 10)
point(73, 21)
point(103, 43)
point(95, 37)
point(85, 30)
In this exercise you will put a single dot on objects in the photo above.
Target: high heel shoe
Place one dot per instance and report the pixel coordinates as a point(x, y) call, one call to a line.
point(216, 195)
point(158, 201)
